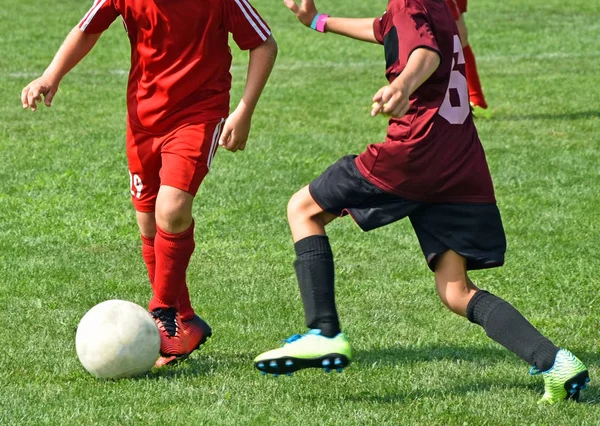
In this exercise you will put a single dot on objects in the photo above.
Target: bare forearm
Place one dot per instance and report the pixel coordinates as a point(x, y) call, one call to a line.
point(73, 50)
point(356, 28)
point(260, 65)
point(421, 64)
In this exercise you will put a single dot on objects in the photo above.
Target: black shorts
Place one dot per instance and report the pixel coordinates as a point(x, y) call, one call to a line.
point(472, 230)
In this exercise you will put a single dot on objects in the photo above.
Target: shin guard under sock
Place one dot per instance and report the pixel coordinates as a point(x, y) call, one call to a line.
point(315, 273)
point(504, 324)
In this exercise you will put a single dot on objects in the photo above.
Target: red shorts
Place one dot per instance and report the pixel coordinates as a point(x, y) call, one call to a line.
point(180, 158)
point(457, 7)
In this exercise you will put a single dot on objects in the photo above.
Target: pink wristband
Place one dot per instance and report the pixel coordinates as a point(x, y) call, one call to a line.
point(321, 20)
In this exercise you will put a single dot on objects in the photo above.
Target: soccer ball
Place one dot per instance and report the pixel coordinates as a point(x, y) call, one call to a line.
point(117, 339)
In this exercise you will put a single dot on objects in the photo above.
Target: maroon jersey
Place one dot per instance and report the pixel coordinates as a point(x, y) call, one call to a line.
point(433, 153)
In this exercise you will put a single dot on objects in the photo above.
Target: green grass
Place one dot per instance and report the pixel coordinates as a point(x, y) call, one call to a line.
point(68, 239)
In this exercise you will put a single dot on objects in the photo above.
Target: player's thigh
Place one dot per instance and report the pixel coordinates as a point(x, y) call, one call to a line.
point(187, 154)
point(143, 162)
point(474, 231)
point(303, 206)
point(343, 190)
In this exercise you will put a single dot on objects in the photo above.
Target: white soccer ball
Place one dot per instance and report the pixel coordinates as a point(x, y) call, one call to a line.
point(117, 339)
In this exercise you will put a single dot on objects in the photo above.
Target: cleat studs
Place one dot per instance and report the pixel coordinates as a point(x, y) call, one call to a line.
point(339, 369)
point(273, 364)
point(574, 385)
point(289, 363)
point(326, 363)
point(338, 361)
point(261, 365)
point(289, 374)
point(582, 387)
point(264, 373)
point(275, 375)
point(572, 391)
point(327, 370)
point(587, 379)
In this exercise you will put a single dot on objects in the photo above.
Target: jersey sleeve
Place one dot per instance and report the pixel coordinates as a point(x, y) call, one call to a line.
point(379, 26)
point(249, 30)
point(414, 31)
point(99, 17)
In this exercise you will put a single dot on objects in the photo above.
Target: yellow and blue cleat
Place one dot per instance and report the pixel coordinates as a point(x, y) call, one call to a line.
point(565, 380)
point(311, 350)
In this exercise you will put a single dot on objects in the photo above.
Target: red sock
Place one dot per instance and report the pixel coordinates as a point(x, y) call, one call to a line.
point(475, 90)
point(149, 258)
point(173, 253)
point(185, 305)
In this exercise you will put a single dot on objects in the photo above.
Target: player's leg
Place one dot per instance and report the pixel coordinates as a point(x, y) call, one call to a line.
point(186, 155)
point(144, 182)
point(174, 246)
point(314, 262)
point(477, 234)
point(339, 190)
point(564, 374)
point(476, 95)
point(144, 163)
point(324, 346)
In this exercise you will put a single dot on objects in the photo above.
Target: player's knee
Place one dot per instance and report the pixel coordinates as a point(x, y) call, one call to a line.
point(300, 205)
point(173, 218)
point(455, 296)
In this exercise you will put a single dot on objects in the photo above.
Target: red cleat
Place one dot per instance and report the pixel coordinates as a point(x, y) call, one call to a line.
point(174, 342)
point(198, 331)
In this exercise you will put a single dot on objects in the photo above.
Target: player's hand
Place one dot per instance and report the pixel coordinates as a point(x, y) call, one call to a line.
point(236, 130)
point(390, 100)
point(305, 13)
point(32, 93)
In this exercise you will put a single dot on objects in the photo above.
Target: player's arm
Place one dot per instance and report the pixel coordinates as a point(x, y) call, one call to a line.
point(356, 28)
point(237, 128)
point(393, 99)
point(74, 48)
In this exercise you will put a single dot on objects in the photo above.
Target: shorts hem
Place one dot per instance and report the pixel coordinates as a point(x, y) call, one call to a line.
point(474, 263)
point(144, 208)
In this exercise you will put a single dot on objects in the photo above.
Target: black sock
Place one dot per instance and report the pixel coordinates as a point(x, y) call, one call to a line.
point(504, 324)
point(315, 273)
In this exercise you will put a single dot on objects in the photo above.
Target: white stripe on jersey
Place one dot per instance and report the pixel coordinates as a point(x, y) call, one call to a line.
point(215, 140)
point(258, 19)
point(90, 15)
point(258, 31)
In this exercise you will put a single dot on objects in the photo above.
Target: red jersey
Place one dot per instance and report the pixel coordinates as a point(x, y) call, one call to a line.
point(180, 57)
point(433, 153)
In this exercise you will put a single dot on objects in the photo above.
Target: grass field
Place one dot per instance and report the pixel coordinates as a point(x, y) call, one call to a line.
point(68, 239)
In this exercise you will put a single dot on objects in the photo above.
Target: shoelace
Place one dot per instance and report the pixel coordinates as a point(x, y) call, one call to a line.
point(295, 337)
point(292, 339)
point(168, 319)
